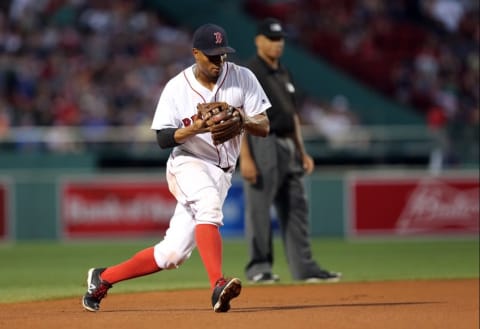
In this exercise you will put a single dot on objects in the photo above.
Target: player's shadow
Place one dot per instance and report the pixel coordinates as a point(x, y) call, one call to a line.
point(278, 308)
point(302, 307)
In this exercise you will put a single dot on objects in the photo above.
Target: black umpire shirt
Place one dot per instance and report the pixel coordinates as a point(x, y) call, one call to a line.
point(280, 90)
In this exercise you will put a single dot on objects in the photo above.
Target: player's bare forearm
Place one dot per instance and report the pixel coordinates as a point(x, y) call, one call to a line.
point(258, 125)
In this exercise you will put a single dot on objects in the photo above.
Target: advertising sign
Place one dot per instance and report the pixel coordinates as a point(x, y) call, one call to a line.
point(121, 207)
point(413, 205)
point(234, 212)
point(115, 208)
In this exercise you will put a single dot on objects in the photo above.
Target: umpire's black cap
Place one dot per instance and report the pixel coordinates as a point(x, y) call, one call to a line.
point(212, 40)
point(271, 28)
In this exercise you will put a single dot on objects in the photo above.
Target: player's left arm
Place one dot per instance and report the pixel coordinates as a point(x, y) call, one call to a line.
point(257, 125)
point(256, 103)
point(307, 160)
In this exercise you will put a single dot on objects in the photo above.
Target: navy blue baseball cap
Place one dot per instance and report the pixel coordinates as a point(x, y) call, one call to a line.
point(212, 40)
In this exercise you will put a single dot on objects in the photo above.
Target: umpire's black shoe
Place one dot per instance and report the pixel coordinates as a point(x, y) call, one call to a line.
point(96, 290)
point(224, 291)
point(324, 276)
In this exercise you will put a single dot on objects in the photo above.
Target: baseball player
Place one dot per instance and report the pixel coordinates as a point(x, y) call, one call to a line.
point(198, 171)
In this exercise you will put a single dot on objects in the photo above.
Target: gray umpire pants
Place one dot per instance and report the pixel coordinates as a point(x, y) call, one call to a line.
point(280, 183)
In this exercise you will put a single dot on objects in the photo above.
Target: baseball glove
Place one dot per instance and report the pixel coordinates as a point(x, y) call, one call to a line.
point(222, 120)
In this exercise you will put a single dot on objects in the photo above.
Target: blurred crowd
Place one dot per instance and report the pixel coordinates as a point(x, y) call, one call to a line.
point(85, 63)
point(423, 53)
point(335, 122)
point(94, 64)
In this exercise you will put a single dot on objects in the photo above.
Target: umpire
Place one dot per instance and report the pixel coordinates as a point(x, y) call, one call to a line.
point(272, 169)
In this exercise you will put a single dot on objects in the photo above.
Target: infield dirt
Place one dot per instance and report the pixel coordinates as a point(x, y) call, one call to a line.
point(374, 305)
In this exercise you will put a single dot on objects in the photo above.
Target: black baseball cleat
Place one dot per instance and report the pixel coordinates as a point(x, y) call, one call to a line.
point(224, 291)
point(324, 276)
point(96, 290)
point(265, 277)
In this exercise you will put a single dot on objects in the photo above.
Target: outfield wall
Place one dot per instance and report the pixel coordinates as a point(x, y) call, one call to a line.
point(65, 204)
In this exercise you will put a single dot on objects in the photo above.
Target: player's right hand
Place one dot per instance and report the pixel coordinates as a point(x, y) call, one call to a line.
point(199, 126)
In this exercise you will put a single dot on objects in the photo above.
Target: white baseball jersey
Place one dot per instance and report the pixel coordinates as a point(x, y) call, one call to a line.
point(177, 105)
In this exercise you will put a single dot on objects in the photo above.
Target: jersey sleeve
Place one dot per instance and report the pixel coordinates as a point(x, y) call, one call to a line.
point(256, 101)
point(164, 116)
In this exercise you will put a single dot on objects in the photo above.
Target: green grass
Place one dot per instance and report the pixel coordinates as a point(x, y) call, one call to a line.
point(48, 270)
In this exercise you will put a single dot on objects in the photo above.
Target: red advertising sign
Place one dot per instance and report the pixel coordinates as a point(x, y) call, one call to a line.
point(115, 208)
point(414, 205)
point(3, 211)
